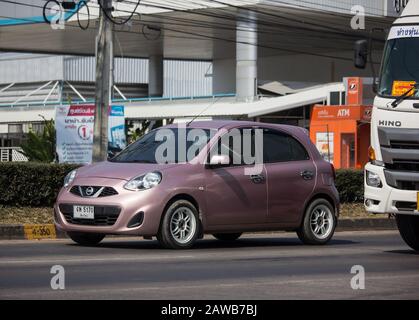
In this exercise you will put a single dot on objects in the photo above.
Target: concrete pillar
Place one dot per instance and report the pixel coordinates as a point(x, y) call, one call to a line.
point(223, 76)
point(155, 76)
point(246, 57)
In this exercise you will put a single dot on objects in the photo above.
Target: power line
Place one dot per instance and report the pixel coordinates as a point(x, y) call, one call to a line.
point(337, 30)
point(321, 32)
point(217, 38)
point(274, 15)
point(231, 40)
point(327, 5)
point(317, 9)
point(113, 20)
point(274, 31)
point(263, 23)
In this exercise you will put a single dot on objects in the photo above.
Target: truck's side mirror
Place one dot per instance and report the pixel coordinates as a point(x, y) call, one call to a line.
point(361, 54)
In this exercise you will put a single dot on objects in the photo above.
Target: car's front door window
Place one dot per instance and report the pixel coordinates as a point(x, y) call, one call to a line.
point(238, 145)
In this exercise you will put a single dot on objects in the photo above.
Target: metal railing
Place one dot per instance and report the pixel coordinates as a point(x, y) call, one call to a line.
point(12, 154)
point(28, 104)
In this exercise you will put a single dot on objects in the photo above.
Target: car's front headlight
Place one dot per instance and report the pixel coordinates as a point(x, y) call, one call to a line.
point(373, 179)
point(143, 182)
point(69, 178)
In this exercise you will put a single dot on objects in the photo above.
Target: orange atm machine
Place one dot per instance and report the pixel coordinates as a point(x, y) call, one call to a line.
point(342, 134)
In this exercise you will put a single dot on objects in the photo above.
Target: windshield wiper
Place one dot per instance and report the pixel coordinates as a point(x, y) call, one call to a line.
point(141, 161)
point(399, 99)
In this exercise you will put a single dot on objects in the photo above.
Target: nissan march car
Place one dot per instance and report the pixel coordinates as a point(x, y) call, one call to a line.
point(223, 178)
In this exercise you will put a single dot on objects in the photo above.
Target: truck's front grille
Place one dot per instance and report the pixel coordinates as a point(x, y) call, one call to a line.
point(408, 185)
point(406, 206)
point(394, 144)
point(400, 153)
point(103, 215)
point(403, 180)
point(404, 165)
point(399, 147)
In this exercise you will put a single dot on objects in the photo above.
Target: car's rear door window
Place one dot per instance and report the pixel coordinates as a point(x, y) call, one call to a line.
point(281, 147)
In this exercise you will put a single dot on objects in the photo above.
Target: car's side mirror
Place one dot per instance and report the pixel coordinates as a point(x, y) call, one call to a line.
point(219, 160)
point(112, 154)
point(361, 54)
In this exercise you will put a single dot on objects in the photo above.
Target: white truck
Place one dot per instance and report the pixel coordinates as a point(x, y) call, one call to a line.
point(392, 174)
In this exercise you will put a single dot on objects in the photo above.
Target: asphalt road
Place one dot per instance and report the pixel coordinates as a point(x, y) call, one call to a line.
point(264, 266)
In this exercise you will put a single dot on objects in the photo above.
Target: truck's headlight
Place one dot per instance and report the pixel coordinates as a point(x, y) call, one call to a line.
point(69, 178)
point(373, 180)
point(143, 182)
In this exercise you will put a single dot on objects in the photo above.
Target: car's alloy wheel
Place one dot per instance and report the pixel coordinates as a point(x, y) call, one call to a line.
point(180, 225)
point(319, 223)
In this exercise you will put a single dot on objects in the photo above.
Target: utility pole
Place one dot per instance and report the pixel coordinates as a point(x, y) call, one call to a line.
point(104, 77)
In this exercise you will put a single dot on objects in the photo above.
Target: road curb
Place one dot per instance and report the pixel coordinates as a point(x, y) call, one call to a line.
point(11, 232)
point(30, 232)
point(40, 231)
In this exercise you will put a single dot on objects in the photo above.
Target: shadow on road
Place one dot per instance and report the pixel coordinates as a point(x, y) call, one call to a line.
point(216, 244)
point(410, 252)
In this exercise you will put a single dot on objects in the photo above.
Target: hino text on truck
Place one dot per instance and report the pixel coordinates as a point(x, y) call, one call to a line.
point(392, 174)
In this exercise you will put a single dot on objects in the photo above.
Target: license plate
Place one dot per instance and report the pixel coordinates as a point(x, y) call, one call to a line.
point(84, 212)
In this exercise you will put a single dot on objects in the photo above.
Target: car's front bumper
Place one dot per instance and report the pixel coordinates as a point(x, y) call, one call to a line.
point(388, 199)
point(130, 204)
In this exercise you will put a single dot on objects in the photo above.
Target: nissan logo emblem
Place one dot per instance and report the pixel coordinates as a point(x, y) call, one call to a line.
point(89, 191)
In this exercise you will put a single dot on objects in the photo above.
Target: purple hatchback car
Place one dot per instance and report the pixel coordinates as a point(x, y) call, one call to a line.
point(218, 177)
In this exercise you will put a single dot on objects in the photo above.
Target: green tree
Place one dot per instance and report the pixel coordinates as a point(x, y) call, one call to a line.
point(134, 135)
point(146, 125)
point(40, 147)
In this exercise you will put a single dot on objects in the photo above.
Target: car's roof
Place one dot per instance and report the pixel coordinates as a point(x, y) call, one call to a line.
point(211, 124)
point(218, 124)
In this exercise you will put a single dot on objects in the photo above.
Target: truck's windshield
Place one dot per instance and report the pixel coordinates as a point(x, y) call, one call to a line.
point(400, 67)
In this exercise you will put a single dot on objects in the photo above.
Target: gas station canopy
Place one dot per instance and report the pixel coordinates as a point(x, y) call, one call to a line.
point(193, 29)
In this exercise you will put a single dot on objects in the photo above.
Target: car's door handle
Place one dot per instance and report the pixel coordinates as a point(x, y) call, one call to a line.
point(257, 178)
point(307, 175)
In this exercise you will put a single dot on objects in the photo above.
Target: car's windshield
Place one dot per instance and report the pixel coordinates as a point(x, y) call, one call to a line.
point(400, 69)
point(166, 145)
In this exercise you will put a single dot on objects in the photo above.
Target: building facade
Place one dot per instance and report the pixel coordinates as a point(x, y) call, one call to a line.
point(38, 82)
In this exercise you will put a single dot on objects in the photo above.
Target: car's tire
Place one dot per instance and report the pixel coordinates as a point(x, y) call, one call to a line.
point(409, 230)
point(227, 236)
point(180, 226)
point(319, 223)
point(86, 239)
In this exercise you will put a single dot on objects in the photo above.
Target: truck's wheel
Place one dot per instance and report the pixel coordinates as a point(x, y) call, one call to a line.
point(319, 223)
point(409, 229)
point(180, 226)
point(86, 239)
point(227, 236)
